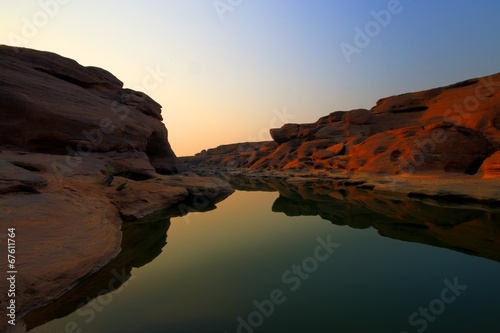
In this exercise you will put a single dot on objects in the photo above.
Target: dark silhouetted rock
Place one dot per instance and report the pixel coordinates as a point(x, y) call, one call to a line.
point(51, 104)
point(64, 129)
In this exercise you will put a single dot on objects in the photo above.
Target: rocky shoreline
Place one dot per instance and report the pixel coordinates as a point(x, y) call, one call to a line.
point(80, 158)
point(443, 142)
point(457, 222)
point(459, 189)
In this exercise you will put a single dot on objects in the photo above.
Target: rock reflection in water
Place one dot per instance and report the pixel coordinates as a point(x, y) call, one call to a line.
point(470, 228)
point(141, 243)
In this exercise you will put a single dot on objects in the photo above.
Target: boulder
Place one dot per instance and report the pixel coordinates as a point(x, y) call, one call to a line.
point(286, 133)
point(17, 179)
point(357, 117)
point(336, 149)
point(336, 116)
point(51, 104)
point(491, 166)
point(414, 150)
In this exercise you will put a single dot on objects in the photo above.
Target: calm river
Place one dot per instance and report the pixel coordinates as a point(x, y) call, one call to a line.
point(248, 267)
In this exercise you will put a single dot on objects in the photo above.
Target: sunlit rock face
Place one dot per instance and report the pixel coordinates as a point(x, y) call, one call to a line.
point(446, 130)
point(491, 166)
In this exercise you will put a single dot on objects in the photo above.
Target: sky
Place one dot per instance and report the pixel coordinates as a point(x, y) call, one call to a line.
point(227, 71)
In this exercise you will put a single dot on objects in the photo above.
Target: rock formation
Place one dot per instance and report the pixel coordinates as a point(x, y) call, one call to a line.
point(491, 166)
point(238, 155)
point(53, 105)
point(79, 155)
point(443, 131)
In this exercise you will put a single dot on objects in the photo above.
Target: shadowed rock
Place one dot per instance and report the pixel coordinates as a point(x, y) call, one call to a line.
point(51, 104)
point(64, 130)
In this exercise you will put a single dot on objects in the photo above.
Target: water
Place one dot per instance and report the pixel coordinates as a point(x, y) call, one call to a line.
point(244, 268)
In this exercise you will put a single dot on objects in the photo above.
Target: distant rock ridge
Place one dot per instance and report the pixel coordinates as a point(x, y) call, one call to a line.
point(447, 130)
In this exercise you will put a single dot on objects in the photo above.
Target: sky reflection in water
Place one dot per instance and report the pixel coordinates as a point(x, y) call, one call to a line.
point(217, 265)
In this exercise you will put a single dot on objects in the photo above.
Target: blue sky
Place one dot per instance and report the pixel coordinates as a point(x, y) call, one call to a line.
point(228, 70)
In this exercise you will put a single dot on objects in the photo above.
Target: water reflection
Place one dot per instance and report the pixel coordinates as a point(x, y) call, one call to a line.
point(141, 243)
point(470, 228)
point(241, 256)
point(470, 231)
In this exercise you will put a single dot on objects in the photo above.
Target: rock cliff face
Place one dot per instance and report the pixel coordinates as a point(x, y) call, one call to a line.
point(79, 156)
point(448, 130)
point(237, 155)
point(53, 105)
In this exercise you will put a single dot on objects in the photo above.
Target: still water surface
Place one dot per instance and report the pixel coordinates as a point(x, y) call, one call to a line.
point(244, 268)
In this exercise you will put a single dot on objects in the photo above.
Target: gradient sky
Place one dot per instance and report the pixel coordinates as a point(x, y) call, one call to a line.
point(229, 75)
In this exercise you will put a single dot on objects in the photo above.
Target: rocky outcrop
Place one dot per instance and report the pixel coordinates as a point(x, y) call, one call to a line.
point(435, 149)
point(491, 166)
point(16, 179)
point(79, 156)
point(51, 104)
point(450, 130)
point(239, 155)
point(140, 244)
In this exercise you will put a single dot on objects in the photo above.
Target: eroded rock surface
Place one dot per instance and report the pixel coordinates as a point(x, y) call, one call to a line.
point(442, 131)
point(79, 155)
point(491, 166)
point(51, 104)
